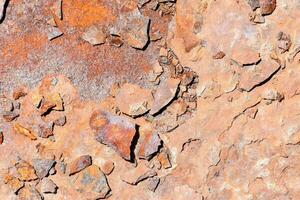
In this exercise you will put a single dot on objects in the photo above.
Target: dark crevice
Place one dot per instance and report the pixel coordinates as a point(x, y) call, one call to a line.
point(134, 144)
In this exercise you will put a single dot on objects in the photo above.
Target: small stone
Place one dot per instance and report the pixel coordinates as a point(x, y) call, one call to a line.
point(116, 41)
point(1, 137)
point(79, 164)
point(53, 32)
point(10, 116)
point(153, 183)
point(187, 78)
point(134, 177)
point(137, 30)
point(25, 171)
point(51, 102)
point(157, 69)
point(94, 36)
point(149, 141)
point(17, 105)
point(92, 182)
point(257, 74)
point(284, 42)
point(56, 8)
point(52, 171)
point(43, 166)
point(219, 55)
point(245, 55)
point(115, 131)
point(254, 4)
point(14, 183)
point(133, 100)
point(155, 36)
point(45, 129)
point(164, 94)
point(163, 52)
point(267, 6)
point(251, 113)
point(61, 121)
point(51, 21)
point(164, 159)
point(179, 107)
point(2, 9)
point(37, 100)
point(24, 131)
point(29, 192)
point(107, 167)
point(48, 186)
point(19, 92)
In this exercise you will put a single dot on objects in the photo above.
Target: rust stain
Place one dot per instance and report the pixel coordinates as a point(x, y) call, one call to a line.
point(82, 13)
point(18, 49)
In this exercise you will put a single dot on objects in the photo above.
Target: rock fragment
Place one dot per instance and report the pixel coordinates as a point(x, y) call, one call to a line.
point(45, 129)
point(134, 177)
point(254, 4)
point(56, 8)
point(43, 166)
point(19, 92)
point(14, 183)
point(48, 186)
point(24, 131)
point(116, 41)
point(134, 28)
point(257, 74)
point(92, 181)
point(267, 6)
point(2, 9)
point(94, 36)
point(245, 55)
point(133, 100)
point(164, 94)
point(149, 141)
point(51, 102)
point(284, 42)
point(117, 132)
point(107, 167)
point(10, 116)
point(153, 183)
point(53, 33)
point(61, 121)
point(29, 192)
point(79, 164)
point(25, 171)
point(218, 55)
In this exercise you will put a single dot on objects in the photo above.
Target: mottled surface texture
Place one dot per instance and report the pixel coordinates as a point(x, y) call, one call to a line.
point(150, 99)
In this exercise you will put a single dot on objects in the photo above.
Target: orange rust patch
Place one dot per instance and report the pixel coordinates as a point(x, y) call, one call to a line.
point(82, 13)
point(19, 48)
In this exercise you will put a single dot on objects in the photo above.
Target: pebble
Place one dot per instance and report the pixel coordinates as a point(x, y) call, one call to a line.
point(115, 131)
point(164, 94)
point(10, 116)
point(24, 131)
point(79, 164)
point(43, 166)
point(133, 100)
point(25, 171)
point(53, 32)
point(61, 121)
point(1, 137)
point(92, 181)
point(94, 35)
point(48, 186)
